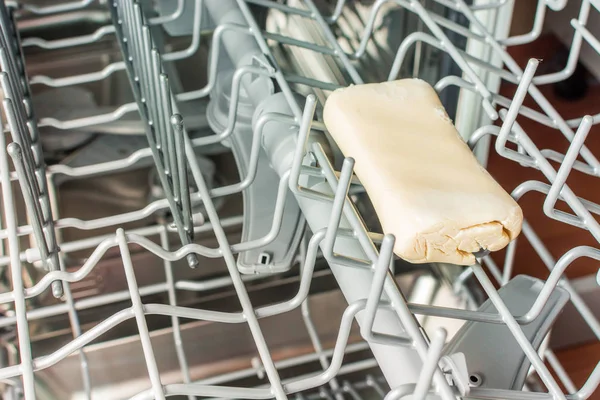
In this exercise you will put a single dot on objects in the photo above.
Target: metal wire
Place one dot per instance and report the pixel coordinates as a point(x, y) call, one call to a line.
point(25, 149)
point(164, 127)
point(173, 152)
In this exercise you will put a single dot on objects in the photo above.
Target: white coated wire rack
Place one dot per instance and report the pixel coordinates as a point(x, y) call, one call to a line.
point(286, 129)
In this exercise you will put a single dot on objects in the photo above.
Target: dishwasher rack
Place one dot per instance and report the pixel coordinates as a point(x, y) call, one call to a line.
point(286, 126)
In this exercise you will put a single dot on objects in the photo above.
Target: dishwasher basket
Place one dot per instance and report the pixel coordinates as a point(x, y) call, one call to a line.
point(176, 221)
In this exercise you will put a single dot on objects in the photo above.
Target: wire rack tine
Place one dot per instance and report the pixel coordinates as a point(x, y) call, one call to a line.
point(181, 169)
point(72, 312)
point(139, 313)
point(177, 339)
point(534, 33)
point(563, 173)
point(25, 149)
point(510, 117)
point(154, 99)
point(525, 111)
point(575, 50)
point(431, 364)
point(170, 161)
point(155, 96)
point(339, 200)
point(550, 263)
point(309, 324)
point(22, 326)
point(316, 342)
point(585, 220)
point(381, 269)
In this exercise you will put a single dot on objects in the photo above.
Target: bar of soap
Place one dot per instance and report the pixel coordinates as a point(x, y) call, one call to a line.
point(426, 186)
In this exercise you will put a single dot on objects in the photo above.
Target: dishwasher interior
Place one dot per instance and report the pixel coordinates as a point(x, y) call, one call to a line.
point(172, 203)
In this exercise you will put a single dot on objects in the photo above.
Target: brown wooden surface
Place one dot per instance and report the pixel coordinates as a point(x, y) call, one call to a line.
point(558, 237)
point(579, 362)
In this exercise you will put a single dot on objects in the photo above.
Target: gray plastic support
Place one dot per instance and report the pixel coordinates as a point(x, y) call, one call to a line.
point(260, 196)
point(241, 49)
point(481, 342)
point(279, 142)
point(183, 25)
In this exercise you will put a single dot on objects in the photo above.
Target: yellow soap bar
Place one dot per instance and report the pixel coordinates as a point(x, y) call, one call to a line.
point(427, 187)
